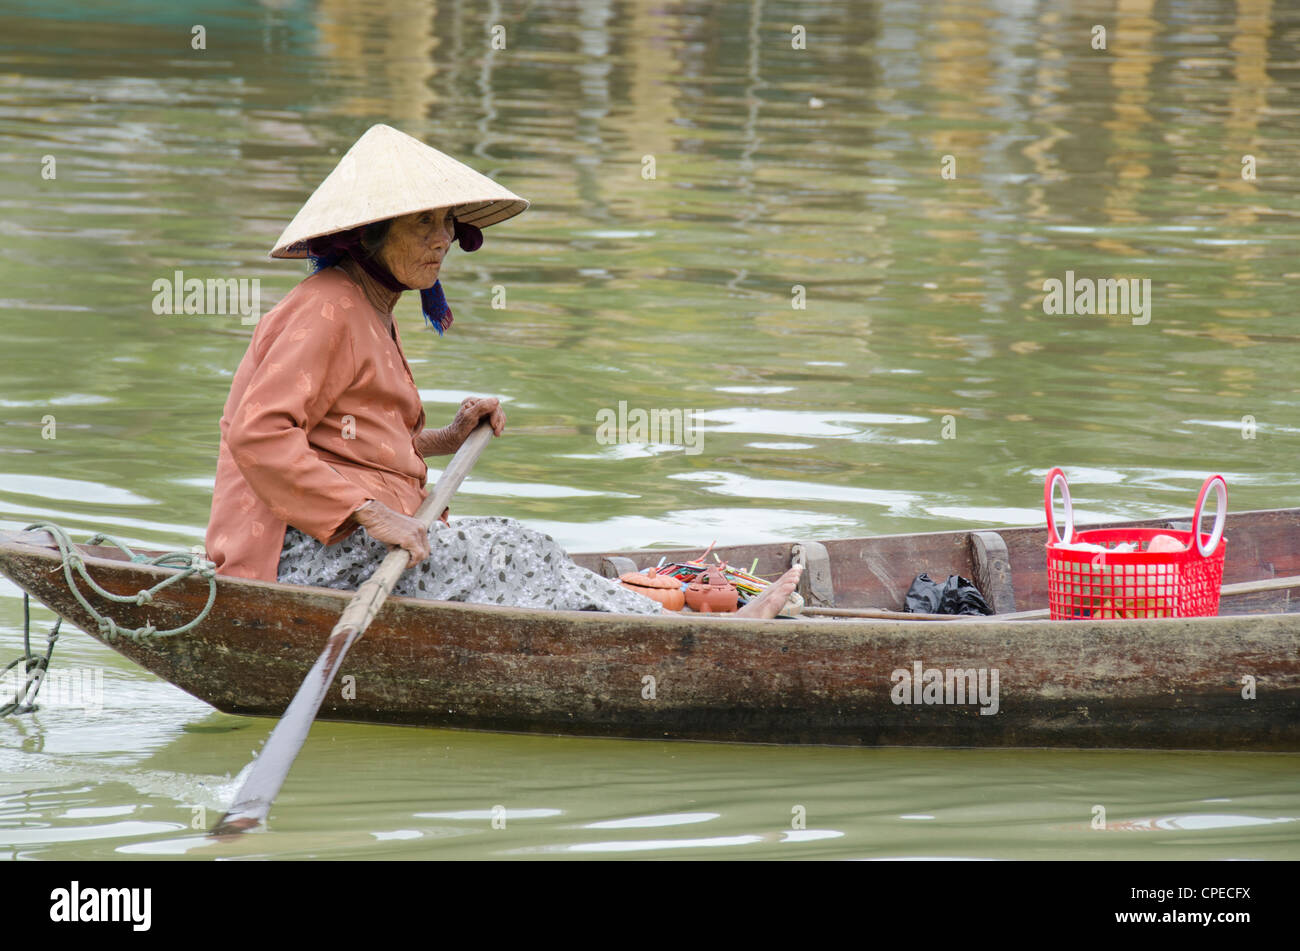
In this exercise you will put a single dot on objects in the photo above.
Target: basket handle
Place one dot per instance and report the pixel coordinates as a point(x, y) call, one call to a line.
point(1049, 489)
point(1221, 489)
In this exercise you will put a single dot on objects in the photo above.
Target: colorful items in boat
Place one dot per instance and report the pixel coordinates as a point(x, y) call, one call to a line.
point(717, 583)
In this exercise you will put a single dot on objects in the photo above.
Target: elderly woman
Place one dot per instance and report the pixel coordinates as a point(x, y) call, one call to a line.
point(321, 463)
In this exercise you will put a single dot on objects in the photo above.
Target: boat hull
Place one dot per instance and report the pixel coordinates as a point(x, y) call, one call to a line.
point(1167, 683)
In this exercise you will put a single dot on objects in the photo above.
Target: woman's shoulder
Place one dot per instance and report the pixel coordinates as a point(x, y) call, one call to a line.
point(326, 304)
point(328, 297)
point(326, 294)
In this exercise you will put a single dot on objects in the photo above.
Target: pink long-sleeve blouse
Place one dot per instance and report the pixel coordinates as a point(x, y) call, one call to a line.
point(323, 413)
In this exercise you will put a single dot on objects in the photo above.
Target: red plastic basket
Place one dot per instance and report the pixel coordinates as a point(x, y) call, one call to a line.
point(1139, 583)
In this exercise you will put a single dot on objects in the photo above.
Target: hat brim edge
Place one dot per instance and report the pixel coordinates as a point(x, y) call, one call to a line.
point(485, 214)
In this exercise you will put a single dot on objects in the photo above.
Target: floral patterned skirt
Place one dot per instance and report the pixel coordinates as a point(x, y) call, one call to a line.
point(483, 559)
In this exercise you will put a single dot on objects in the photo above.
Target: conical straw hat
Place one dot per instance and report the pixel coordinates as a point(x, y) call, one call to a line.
point(385, 174)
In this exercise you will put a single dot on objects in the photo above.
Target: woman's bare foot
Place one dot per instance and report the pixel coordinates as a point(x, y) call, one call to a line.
point(774, 596)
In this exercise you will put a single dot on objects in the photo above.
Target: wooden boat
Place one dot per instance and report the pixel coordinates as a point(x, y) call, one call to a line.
point(1178, 683)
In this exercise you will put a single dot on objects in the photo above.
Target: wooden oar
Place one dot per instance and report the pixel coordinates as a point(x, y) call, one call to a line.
point(263, 783)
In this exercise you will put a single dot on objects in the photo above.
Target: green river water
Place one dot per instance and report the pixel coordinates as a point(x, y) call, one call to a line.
point(921, 386)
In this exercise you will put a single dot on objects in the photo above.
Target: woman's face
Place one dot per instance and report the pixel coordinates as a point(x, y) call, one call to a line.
point(415, 246)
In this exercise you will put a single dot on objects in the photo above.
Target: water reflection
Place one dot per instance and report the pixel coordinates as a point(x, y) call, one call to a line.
point(783, 176)
point(652, 822)
point(482, 815)
point(662, 845)
point(441, 794)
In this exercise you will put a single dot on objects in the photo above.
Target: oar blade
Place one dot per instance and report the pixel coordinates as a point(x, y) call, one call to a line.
point(270, 769)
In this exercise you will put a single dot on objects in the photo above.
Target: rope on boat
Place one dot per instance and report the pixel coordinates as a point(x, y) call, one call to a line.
point(25, 699)
point(188, 562)
point(36, 666)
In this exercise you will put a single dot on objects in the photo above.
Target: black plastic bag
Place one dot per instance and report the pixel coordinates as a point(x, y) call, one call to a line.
point(955, 596)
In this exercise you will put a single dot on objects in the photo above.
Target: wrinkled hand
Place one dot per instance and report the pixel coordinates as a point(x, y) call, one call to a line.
point(472, 409)
point(394, 528)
